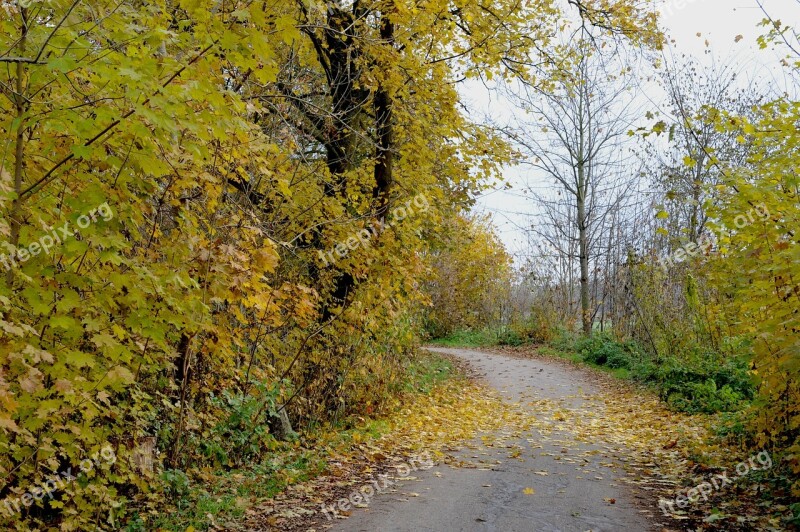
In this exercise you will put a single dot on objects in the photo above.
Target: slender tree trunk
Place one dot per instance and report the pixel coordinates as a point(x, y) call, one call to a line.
point(20, 103)
point(583, 242)
point(383, 120)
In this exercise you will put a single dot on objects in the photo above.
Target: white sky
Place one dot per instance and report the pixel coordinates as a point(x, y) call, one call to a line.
point(718, 21)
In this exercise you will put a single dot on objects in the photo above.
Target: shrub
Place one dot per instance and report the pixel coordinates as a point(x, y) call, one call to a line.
point(243, 430)
point(695, 380)
point(602, 350)
point(702, 381)
point(510, 336)
point(705, 397)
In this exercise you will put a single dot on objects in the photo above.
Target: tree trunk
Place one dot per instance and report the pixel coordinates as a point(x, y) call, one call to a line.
point(586, 313)
point(21, 105)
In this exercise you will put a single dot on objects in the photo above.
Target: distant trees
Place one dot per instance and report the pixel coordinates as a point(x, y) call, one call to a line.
point(471, 278)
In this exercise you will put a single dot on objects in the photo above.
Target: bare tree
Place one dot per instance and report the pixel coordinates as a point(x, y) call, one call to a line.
point(684, 168)
point(577, 143)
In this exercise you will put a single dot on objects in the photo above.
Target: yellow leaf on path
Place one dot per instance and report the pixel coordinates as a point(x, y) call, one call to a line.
point(528, 491)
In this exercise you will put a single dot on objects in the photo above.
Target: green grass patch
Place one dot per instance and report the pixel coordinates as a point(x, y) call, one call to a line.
point(426, 371)
point(481, 338)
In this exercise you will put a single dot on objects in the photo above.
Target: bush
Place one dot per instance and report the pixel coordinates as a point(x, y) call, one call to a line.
point(705, 397)
point(242, 432)
point(602, 350)
point(699, 380)
point(510, 336)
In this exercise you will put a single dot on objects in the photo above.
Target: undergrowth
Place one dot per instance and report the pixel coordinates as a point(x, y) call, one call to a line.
point(205, 499)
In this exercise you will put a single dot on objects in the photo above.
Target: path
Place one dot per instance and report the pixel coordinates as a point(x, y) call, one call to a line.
point(544, 479)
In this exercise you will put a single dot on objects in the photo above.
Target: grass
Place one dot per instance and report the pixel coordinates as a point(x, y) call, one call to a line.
point(481, 338)
point(427, 371)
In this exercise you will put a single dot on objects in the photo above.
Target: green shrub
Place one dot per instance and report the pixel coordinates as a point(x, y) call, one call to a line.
point(705, 397)
point(564, 340)
point(701, 381)
point(243, 430)
point(175, 483)
point(602, 350)
point(735, 427)
point(509, 336)
point(696, 379)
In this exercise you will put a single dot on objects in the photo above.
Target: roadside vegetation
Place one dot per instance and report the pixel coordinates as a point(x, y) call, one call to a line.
point(207, 499)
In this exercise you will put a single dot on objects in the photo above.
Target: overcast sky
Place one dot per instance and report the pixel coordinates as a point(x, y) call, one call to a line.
point(717, 21)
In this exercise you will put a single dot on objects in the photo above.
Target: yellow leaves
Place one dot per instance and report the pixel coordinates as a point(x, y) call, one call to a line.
point(62, 385)
point(758, 262)
point(119, 332)
point(33, 381)
point(528, 491)
point(13, 329)
point(283, 188)
point(37, 355)
point(119, 376)
point(7, 423)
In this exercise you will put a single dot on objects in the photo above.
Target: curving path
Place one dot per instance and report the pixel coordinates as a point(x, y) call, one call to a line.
point(544, 479)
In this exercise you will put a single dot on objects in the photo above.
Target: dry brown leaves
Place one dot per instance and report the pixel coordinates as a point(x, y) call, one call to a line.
point(452, 415)
point(662, 453)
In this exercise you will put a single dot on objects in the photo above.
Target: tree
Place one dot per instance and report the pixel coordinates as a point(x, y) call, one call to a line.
point(211, 154)
point(684, 175)
point(576, 143)
point(471, 277)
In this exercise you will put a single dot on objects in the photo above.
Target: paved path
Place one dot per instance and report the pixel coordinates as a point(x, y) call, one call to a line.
point(576, 483)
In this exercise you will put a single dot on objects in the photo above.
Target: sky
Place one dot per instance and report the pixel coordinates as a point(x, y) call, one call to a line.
point(717, 21)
